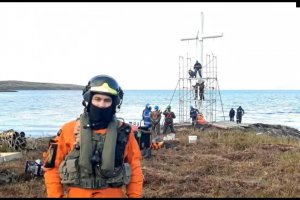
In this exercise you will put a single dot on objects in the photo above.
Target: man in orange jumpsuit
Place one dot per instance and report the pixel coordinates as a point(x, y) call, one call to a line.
point(95, 155)
point(201, 122)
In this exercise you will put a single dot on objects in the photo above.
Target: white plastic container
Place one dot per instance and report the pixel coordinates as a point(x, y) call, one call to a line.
point(192, 139)
point(170, 136)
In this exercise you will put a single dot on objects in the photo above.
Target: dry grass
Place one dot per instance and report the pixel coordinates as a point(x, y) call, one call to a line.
point(24, 185)
point(225, 164)
point(221, 164)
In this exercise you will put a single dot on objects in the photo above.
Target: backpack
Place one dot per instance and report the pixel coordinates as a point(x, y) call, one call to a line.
point(239, 112)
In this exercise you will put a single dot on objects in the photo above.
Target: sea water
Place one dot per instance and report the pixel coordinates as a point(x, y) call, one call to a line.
point(43, 112)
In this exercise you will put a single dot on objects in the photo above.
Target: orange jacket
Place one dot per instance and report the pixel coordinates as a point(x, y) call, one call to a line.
point(200, 119)
point(66, 142)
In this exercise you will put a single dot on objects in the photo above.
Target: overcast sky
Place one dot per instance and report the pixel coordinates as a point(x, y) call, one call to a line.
point(139, 43)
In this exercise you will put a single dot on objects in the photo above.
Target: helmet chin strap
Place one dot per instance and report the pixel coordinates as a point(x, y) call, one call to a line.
point(118, 108)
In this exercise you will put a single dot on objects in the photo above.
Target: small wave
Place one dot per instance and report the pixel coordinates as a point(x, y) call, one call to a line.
point(296, 112)
point(280, 112)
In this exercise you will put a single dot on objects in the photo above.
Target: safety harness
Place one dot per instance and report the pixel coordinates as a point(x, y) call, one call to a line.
point(97, 160)
point(168, 117)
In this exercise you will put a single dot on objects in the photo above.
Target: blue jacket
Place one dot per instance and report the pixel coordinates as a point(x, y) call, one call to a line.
point(146, 117)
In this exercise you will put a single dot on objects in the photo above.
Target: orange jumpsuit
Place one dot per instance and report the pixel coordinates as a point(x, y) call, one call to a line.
point(200, 119)
point(66, 142)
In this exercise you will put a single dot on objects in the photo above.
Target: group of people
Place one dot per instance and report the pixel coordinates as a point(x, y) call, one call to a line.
point(239, 114)
point(197, 69)
point(97, 154)
point(199, 90)
point(152, 119)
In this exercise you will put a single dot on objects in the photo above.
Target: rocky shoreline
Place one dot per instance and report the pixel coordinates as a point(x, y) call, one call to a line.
point(272, 129)
point(259, 128)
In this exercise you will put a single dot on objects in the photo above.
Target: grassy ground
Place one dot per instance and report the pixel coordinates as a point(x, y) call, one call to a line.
point(24, 185)
point(221, 164)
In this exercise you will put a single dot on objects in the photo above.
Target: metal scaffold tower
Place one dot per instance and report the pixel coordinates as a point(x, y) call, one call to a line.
point(206, 99)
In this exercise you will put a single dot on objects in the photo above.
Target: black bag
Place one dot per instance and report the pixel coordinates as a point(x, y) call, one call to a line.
point(34, 168)
point(144, 141)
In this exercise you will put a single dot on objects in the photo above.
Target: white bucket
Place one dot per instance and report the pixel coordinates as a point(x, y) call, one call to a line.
point(170, 136)
point(192, 139)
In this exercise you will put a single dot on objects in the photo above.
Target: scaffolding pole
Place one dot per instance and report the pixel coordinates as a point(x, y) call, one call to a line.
point(187, 94)
point(187, 98)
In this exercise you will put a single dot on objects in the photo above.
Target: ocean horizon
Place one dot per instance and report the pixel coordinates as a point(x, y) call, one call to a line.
point(42, 112)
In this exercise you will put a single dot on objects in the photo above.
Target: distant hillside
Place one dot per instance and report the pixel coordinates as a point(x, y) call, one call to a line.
point(24, 85)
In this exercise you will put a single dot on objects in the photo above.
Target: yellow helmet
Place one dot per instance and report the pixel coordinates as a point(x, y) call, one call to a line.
point(103, 84)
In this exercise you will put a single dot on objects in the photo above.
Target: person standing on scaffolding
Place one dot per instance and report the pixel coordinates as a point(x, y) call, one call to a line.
point(197, 68)
point(196, 88)
point(201, 90)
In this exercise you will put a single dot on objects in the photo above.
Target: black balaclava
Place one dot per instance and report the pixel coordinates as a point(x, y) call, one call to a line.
point(100, 117)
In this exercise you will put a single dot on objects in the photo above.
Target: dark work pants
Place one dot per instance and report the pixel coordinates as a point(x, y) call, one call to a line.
point(238, 119)
point(166, 125)
point(156, 128)
point(199, 72)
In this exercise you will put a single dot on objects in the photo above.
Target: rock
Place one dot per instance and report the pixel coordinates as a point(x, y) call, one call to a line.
point(7, 176)
point(274, 129)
